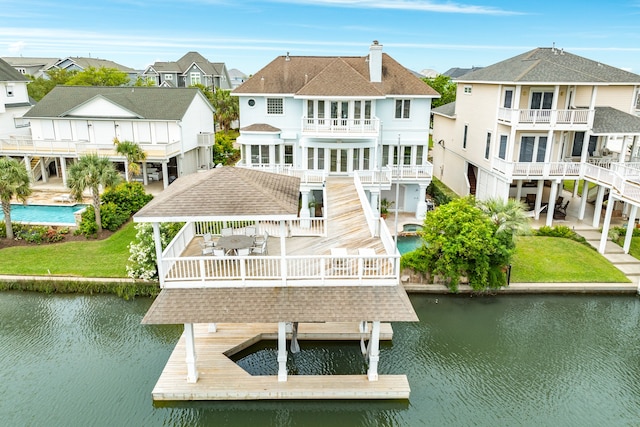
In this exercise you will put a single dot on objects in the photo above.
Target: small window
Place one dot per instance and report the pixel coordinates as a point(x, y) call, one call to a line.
point(508, 98)
point(251, 102)
point(168, 76)
point(275, 106)
point(403, 107)
point(467, 90)
point(21, 122)
point(9, 90)
point(22, 70)
point(195, 78)
point(464, 137)
point(487, 147)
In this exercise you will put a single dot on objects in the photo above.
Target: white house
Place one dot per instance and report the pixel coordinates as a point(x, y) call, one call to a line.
point(173, 127)
point(14, 101)
point(339, 115)
point(521, 127)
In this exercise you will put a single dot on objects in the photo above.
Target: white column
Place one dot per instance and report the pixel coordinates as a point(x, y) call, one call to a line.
point(165, 175)
point(158, 245)
point(605, 225)
point(213, 327)
point(631, 224)
point(552, 202)
point(63, 170)
point(421, 210)
point(190, 346)
point(43, 170)
point(539, 198)
point(518, 189)
point(282, 351)
point(283, 251)
point(374, 351)
point(145, 178)
point(583, 199)
point(598, 206)
point(576, 184)
point(126, 170)
point(304, 210)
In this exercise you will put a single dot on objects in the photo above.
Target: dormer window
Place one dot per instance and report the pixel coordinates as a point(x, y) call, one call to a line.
point(168, 76)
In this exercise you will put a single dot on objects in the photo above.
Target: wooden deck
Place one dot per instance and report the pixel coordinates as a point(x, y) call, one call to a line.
point(222, 379)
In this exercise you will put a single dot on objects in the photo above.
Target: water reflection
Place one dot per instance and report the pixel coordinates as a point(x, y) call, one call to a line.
point(522, 360)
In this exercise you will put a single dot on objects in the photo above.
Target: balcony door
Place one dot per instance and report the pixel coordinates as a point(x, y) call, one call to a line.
point(541, 100)
point(338, 162)
point(340, 113)
point(533, 147)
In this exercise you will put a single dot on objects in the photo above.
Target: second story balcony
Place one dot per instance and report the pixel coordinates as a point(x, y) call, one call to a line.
point(337, 127)
point(572, 119)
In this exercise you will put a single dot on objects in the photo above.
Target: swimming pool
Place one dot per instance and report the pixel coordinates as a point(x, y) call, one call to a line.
point(408, 243)
point(44, 214)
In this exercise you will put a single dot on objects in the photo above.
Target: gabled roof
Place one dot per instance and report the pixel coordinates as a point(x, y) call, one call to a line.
point(456, 72)
point(550, 65)
point(10, 74)
point(225, 192)
point(291, 74)
point(21, 61)
point(185, 63)
point(151, 103)
point(85, 63)
point(608, 120)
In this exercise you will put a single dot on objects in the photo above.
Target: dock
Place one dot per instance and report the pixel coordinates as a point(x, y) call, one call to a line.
point(220, 378)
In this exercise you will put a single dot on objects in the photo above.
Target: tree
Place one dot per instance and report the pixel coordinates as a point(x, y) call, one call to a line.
point(460, 242)
point(92, 171)
point(14, 182)
point(102, 76)
point(445, 87)
point(227, 108)
point(41, 86)
point(223, 151)
point(134, 155)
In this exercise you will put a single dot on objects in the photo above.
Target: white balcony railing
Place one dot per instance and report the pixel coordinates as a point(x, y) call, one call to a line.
point(27, 145)
point(569, 117)
point(306, 176)
point(322, 126)
point(411, 172)
point(537, 170)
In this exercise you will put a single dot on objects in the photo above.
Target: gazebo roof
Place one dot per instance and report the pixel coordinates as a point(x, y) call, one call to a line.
point(225, 192)
point(280, 304)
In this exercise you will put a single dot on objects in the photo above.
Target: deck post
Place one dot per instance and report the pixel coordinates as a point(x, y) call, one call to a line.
point(538, 203)
point(553, 193)
point(157, 239)
point(63, 170)
point(374, 351)
point(631, 224)
point(421, 210)
point(605, 225)
point(192, 372)
point(583, 198)
point(598, 206)
point(305, 212)
point(282, 351)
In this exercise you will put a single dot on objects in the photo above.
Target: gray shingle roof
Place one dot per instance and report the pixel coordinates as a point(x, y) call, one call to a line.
point(85, 63)
point(448, 110)
point(608, 120)
point(261, 127)
point(550, 65)
point(341, 76)
point(183, 64)
point(225, 192)
point(290, 304)
point(10, 74)
point(150, 103)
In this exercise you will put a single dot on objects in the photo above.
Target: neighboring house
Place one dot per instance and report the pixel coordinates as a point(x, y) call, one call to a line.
point(338, 116)
point(456, 72)
point(429, 73)
point(78, 63)
point(189, 70)
point(14, 101)
point(237, 77)
point(35, 67)
point(173, 127)
point(524, 125)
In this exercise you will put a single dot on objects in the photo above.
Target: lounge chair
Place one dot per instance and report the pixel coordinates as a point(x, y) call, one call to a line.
point(226, 232)
point(560, 212)
point(65, 198)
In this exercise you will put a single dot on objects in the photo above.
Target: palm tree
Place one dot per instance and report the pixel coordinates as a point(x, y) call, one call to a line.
point(92, 171)
point(508, 216)
point(226, 107)
point(14, 181)
point(134, 155)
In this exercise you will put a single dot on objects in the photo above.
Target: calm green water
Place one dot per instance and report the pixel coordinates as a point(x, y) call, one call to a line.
point(489, 361)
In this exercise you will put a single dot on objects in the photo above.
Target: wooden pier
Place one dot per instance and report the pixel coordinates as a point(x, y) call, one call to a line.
point(220, 378)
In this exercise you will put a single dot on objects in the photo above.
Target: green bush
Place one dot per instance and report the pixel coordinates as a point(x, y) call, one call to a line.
point(561, 231)
point(35, 233)
point(129, 197)
point(440, 193)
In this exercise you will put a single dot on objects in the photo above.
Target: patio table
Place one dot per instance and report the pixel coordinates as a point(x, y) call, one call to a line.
point(234, 242)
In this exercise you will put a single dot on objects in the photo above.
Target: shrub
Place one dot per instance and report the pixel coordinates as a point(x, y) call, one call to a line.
point(561, 231)
point(129, 197)
point(441, 193)
point(142, 258)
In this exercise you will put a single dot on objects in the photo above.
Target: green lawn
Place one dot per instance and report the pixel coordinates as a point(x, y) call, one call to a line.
point(91, 258)
point(553, 259)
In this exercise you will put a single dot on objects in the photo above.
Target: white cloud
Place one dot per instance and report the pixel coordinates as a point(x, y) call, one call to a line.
point(16, 47)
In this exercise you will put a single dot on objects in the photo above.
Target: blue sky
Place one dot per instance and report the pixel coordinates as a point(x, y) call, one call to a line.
point(420, 34)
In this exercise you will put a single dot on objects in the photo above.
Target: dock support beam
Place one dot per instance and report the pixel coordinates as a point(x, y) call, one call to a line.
point(374, 351)
point(192, 372)
point(282, 351)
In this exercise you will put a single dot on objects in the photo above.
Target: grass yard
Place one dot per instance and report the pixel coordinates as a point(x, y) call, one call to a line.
point(554, 259)
point(91, 258)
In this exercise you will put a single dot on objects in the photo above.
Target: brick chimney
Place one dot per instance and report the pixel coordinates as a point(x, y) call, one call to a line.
point(375, 62)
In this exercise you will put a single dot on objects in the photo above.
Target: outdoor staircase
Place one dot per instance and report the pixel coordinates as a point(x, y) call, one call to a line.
point(471, 175)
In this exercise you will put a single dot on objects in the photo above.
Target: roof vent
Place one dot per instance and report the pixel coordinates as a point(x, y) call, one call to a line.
point(287, 58)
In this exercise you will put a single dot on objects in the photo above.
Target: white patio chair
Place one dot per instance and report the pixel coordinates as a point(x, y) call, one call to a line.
point(250, 231)
point(368, 264)
point(339, 265)
point(260, 249)
point(208, 240)
point(206, 249)
point(243, 251)
point(260, 239)
point(219, 252)
point(226, 232)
